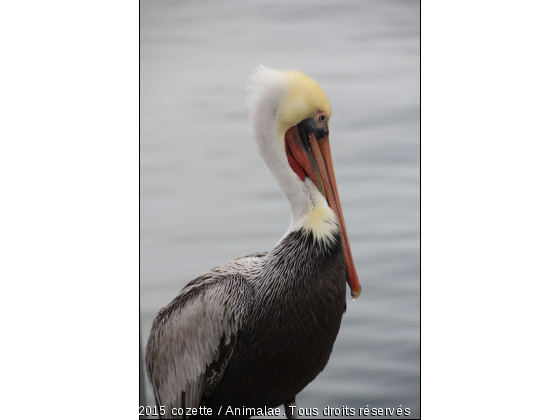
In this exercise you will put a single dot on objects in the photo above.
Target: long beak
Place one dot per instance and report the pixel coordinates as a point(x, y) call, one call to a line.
point(312, 158)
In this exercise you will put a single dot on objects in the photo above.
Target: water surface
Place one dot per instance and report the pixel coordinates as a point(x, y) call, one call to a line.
point(207, 199)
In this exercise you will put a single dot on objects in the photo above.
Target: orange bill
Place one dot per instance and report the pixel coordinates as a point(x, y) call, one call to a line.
point(310, 157)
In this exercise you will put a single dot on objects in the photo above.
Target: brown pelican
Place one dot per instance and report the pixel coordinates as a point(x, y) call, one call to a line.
point(252, 333)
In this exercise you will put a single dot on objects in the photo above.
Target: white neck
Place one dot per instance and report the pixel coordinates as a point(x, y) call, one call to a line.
point(310, 209)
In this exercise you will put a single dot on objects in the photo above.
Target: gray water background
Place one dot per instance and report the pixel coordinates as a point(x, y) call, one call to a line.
point(207, 199)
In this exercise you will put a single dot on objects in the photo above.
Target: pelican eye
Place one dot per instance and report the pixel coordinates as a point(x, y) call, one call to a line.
point(322, 118)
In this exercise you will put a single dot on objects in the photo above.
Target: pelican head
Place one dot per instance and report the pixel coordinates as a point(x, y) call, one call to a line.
point(289, 117)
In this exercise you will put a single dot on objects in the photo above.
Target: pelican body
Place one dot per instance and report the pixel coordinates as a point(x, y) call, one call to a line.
point(254, 332)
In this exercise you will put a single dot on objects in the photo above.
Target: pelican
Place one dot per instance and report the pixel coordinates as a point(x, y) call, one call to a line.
point(251, 334)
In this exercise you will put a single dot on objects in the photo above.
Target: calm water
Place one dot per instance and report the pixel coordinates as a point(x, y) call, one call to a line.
point(207, 199)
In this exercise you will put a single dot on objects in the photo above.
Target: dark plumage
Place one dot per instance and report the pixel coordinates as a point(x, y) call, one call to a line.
point(284, 310)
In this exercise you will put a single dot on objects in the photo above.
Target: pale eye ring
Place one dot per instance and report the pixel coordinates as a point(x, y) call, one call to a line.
point(322, 118)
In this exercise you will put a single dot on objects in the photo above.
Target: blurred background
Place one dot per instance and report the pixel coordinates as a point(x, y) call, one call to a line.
point(207, 199)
